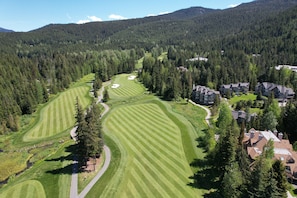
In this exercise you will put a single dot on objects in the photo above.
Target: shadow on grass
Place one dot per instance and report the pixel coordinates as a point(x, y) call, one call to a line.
point(206, 178)
point(68, 169)
point(69, 149)
point(201, 142)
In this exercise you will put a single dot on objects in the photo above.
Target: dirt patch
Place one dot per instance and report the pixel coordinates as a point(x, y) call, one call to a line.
point(92, 165)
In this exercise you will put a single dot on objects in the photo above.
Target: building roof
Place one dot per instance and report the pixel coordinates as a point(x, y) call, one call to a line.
point(205, 90)
point(283, 150)
point(269, 135)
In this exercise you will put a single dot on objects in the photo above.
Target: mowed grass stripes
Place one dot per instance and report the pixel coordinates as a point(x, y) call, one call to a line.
point(27, 189)
point(59, 114)
point(157, 163)
point(127, 88)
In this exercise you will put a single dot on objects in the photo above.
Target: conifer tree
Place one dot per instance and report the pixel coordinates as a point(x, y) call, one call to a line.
point(80, 134)
point(225, 117)
point(225, 150)
point(232, 181)
point(89, 134)
point(105, 95)
point(279, 175)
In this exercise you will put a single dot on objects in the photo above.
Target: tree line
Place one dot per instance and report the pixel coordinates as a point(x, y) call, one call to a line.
point(28, 79)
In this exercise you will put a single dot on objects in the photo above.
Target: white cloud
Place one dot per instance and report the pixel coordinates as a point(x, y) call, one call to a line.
point(94, 18)
point(83, 21)
point(90, 19)
point(116, 17)
point(161, 13)
point(150, 15)
point(233, 5)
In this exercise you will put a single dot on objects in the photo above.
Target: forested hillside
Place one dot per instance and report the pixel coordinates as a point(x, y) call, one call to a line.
point(45, 61)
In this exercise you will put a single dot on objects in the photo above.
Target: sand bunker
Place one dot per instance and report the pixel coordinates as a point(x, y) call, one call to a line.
point(131, 77)
point(114, 86)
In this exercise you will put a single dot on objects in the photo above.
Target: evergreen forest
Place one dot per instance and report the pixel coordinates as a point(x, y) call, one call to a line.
point(242, 44)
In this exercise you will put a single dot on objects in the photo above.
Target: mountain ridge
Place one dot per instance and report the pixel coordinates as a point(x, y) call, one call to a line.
point(5, 30)
point(191, 25)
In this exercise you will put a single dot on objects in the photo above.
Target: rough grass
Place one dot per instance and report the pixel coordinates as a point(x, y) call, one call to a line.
point(156, 165)
point(59, 114)
point(54, 174)
point(12, 163)
point(26, 189)
point(196, 116)
point(127, 88)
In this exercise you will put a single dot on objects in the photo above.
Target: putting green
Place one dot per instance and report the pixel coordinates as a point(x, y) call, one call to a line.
point(59, 114)
point(26, 189)
point(155, 164)
point(125, 88)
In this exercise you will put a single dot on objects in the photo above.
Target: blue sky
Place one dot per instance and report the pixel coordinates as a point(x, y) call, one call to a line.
point(26, 15)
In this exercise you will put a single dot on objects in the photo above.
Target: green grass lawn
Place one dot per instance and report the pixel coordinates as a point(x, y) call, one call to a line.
point(156, 162)
point(26, 189)
point(50, 153)
point(196, 116)
point(50, 177)
point(245, 97)
point(152, 142)
point(59, 114)
point(127, 88)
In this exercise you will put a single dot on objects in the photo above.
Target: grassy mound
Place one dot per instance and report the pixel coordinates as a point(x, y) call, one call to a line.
point(30, 189)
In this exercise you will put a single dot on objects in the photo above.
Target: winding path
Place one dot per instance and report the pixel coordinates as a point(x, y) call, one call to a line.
point(207, 118)
point(74, 178)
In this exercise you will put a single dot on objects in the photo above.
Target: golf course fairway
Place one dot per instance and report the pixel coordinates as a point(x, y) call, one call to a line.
point(153, 162)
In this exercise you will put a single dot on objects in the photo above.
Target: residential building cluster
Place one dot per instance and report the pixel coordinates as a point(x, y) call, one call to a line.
point(255, 142)
point(236, 88)
point(204, 95)
point(280, 92)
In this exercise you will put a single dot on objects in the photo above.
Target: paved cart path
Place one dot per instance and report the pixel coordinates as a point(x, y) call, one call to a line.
point(74, 178)
point(207, 118)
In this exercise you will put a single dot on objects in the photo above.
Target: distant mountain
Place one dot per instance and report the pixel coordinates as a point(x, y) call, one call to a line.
point(187, 13)
point(5, 30)
point(191, 25)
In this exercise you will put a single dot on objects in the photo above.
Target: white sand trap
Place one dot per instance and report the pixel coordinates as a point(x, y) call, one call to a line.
point(114, 86)
point(131, 77)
